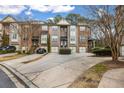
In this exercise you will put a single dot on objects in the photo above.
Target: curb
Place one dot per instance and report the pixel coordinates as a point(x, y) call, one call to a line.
point(24, 80)
point(26, 62)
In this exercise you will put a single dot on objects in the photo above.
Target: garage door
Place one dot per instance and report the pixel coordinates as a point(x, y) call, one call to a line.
point(54, 49)
point(73, 49)
point(82, 49)
point(122, 51)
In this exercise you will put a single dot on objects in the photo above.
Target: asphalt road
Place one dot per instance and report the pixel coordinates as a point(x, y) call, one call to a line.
point(5, 81)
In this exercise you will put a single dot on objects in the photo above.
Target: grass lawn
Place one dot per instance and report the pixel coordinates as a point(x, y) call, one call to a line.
point(91, 78)
point(11, 57)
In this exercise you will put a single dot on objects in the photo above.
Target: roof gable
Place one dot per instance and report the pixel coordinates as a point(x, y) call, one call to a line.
point(63, 22)
point(9, 19)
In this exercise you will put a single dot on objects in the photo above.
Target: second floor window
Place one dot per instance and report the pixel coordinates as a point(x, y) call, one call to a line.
point(45, 27)
point(54, 38)
point(14, 36)
point(44, 39)
point(82, 39)
point(72, 28)
point(54, 28)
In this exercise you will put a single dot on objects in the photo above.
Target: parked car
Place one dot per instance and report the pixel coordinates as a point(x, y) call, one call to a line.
point(1, 48)
point(8, 48)
point(41, 50)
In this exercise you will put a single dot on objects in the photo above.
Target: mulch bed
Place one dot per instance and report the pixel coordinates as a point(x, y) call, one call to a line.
point(113, 65)
point(91, 78)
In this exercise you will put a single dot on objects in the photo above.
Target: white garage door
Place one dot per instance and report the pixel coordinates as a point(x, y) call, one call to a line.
point(122, 51)
point(73, 49)
point(17, 47)
point(54, 49)
point(82, 49)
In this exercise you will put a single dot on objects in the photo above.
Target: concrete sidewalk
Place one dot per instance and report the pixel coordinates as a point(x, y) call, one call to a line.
point(113, 79)
point(9, 54)
point(19, 61)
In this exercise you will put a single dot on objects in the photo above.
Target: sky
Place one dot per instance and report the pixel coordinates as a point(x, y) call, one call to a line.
point(40, 12)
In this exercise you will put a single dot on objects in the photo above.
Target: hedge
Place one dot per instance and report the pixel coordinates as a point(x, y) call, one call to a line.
point(102, 51)
point(64, 51)
point(6, 51)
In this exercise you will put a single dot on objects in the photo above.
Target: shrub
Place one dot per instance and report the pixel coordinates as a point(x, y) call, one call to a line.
point(102, 51)
point(28, 53)
point(6, 51)
point(64, 51)
point(19, 52)
point(96, 48)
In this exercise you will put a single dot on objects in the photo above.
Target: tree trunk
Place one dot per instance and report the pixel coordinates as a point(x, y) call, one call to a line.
point(115, 54)
point(114, 58)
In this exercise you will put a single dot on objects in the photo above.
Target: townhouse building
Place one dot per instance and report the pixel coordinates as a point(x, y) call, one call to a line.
point(62, 35)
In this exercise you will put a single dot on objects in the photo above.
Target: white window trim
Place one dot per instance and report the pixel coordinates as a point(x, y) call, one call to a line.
point(73, 34)
point(43, 39)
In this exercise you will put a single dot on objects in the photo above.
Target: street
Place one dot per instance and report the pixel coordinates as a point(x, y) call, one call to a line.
point(5, 81)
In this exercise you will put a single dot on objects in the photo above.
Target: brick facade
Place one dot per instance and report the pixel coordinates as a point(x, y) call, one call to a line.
point(62, 35)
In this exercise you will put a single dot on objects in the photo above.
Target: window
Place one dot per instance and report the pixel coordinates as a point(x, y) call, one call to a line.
point(25, 36)
point(54, 38)
point(44, 27)
point(82, 28)
point(73, 40)
point(72, 34)
point(44, 39)
point(82, 39)
point(54, 28)
point(14, 36)
point(72, 28)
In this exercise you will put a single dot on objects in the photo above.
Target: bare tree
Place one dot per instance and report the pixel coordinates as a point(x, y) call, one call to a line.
point(98, 36)
point(26, 30)
point(109, 20)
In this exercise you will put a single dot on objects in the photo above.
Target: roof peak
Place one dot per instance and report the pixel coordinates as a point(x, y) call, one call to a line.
point(9, 18)
point(63, 21)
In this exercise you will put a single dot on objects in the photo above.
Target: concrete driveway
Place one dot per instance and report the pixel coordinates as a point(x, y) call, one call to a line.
point(56, 70)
